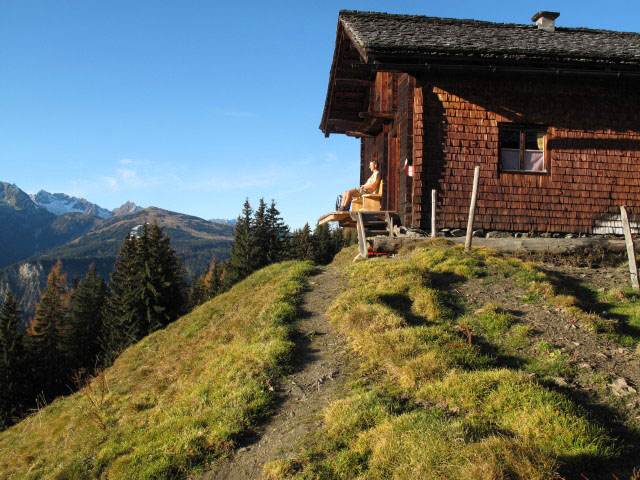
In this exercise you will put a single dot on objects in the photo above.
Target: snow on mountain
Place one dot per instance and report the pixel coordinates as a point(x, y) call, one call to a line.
point(59, 203)
point(224, 221)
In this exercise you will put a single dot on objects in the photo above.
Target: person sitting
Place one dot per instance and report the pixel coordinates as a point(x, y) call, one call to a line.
point(370, 186)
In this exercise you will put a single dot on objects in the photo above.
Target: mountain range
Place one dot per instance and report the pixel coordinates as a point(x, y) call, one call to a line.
point(30, 223)
point(37, 230)
point(60, 203)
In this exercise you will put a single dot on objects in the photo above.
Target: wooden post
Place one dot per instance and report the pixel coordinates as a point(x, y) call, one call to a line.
point(362, 236)
point(433, 213)
point(472, 208)
point(389, 220)
point(633, 266)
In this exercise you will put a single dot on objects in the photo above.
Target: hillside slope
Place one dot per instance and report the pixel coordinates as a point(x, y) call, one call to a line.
point(464, 365)
point(175, 401)
point(478, 366)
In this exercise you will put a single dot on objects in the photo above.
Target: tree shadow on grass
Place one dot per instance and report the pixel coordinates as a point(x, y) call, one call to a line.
point(402, 305)
point(623, 465)
point(587, 300)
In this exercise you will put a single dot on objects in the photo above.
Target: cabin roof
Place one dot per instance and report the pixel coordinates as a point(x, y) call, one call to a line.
point(369, 42)
point(383, 34)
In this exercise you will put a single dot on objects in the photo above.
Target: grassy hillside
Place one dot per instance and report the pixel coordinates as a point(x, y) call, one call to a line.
point(446, 391)
point(175, 401)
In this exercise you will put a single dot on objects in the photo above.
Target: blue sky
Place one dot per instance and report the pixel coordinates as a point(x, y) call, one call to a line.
point(194, 105)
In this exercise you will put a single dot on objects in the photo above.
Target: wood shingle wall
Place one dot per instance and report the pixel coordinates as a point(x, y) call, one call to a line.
point(593, 139)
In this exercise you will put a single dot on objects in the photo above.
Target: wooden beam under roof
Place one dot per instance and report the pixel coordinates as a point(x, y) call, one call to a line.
point(348, 105)
point(346, 116)
point(351, 133)
point(354, 123)
point(347, 72)
point(359, 81)
point(350, 95)
point(382, 115)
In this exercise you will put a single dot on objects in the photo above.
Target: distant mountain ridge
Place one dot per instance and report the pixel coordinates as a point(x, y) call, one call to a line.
point(30, 223)
point(25, 227)
point(195, 240)
point(125, 209)
point(224, 221)
point(60, 203)
point(12, 196)
point(37, 230)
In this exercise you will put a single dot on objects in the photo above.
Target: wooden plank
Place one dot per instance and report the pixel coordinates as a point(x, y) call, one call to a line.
point(472, 208)
point(633, 266)
point(333, 217)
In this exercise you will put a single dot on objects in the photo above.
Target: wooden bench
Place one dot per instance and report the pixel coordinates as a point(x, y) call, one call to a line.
point(369, 202)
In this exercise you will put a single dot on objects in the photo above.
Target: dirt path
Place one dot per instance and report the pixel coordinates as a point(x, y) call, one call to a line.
point(320, 372)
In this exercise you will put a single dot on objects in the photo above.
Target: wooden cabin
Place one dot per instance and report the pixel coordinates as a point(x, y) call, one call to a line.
point(550, 114)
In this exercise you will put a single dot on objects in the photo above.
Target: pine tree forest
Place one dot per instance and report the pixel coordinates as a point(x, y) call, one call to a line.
point(82, 326)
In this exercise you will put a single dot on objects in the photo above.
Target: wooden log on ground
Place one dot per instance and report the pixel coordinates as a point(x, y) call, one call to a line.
point(384, 244)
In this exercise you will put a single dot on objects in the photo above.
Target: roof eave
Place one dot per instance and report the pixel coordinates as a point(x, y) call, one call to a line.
point(340, 30)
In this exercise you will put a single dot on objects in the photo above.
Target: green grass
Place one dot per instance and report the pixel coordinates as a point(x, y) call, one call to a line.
point(174, 402)
point(511, 340)
point(624, 303)
point(435, 399)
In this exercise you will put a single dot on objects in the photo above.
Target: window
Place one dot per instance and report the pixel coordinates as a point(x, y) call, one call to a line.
point(522, 149)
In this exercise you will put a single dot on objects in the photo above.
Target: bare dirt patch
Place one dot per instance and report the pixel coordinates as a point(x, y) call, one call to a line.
point(603, 376)
point(321, 366)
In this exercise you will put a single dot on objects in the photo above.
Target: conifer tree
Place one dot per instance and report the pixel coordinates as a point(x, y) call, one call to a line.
point(12, 361)
point(121, 325)
point(47, 332)
point(84, 321)
point(338, 240)
point(148, 291)
point(197, 293)
point(351, 237)
point(163, 294)
point(277, 246)
point(302, 244)
point(206, 286)
point(244, 250)
point(213, 279)
point(260, 235)
point(323, 245)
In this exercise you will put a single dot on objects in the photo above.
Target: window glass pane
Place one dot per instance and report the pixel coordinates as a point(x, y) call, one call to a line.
point(533, 140)
point(510, 159)
point(534, 161)
point(510, 139)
